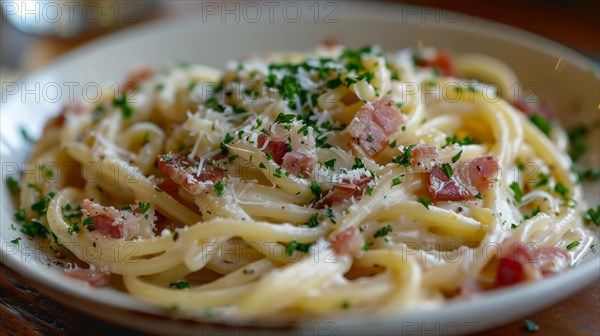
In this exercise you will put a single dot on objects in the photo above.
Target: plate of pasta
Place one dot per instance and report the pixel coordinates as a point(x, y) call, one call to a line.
point(398, 175)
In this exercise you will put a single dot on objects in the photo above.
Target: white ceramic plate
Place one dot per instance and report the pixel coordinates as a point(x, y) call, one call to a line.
point(571, 85)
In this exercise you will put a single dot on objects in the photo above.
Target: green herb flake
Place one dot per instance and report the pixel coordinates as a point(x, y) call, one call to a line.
point(180, 284)
point(262, 166)
point(285, 118)
point(396, 181)
point(393, 144)
point(41, 207)
point(572, 245)
point(329, 214)
point(447, 169)
point(121, 102)
point(426, 203)
point(561, 189)
point(404, 159)
point(315, 189)
point(330, 164)
point(366, 246)
point(12, 184)
point(219, 188)
point(593, 216)
point(518, 193)
point(456, 157)
point(543, 180)
point(34, 228)
point(531, 326)
point(144, 207)
point(542, 123)
point(295, 246)
point(383, 231)
point(369, 191)
point(313, 221)
point(277, 173)
point(358, 163)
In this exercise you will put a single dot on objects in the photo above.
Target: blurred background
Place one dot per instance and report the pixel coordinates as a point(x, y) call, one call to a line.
point(33, 33)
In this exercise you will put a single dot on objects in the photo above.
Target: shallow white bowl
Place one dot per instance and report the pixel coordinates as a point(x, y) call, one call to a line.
point(571, 85)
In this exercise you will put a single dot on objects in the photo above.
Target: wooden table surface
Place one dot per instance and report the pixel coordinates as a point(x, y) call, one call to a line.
point(23, 311)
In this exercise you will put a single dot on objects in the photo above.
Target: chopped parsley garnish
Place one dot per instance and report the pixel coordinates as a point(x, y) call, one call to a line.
point(238, 109)
point(219, 188)
point(572, 245)
point(542, 123)
point(467, 140)
point(313, 221)
point(369, 191)
point(358, 163)
point(531, 215)
point(269, 156)
point(121, 102)
point(180, 284)
point(393, 144)
point(34, 186)
point(192, 85)
point(578, 145)
point(404, 159)
point(34, 228)
point(543, 180)
point(370, 138)
point(589, 174)
point(592, 215)
point(456, 157)
point(262, 166)
point(334, 83)
point(561, 189)
point(366, 246)
point(396, 181)
point(329, 214)
point(426, 203)
point(513, 226)
point(330, 164)
point(480, 196)
point(144, 207)
point(531, 326)
point(12, 184)
point(383, 231)
point(447, 169)
point(89, 223)
point(295, 246)
point(25, 135)
point(223, 145)
point(41, 207)
point(20, 214)
point(285, 118)
point(518, 193)
point(315, 189)
point(16, 241)
point(277, 173)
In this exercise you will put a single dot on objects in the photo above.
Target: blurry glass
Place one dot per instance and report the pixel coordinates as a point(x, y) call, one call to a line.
point(71, 18)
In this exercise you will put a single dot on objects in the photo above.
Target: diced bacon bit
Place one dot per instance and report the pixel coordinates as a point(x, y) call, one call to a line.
point(183, 172)
point(442, 61)
point(372, 126)
point(92, 277)
point(516, 263)
point(104, 219)
point(468, 179)
point(349, 242)
point(330, 42)
point(552, 260)
point(423, 157)
point(343, 191)
point(77, 108)
point(294, 161)
point(543, 108)
point(136, 78)
point(119, 223)
point(277, 149)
